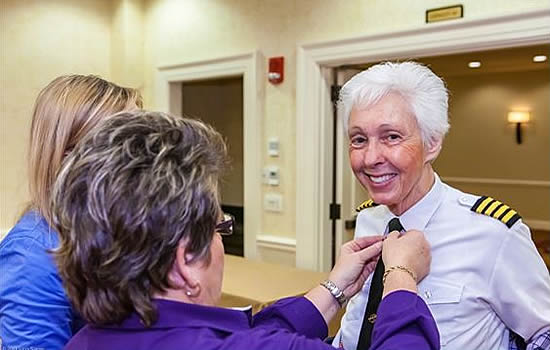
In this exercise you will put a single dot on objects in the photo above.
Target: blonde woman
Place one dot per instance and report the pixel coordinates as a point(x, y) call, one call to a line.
point(34, 310)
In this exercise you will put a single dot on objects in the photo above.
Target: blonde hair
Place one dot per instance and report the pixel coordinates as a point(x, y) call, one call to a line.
point(65, 110)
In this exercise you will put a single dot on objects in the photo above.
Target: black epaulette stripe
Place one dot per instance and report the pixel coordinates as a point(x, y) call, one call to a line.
point(363, 205)
point(484, 211)
point(496, 209)
point(478, 203)
point(500, 211)
point(513, 220)
point(491, 207)
point(504, 213)
point(366, 204)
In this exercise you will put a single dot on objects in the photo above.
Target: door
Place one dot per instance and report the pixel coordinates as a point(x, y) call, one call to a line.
point(219, 102)
point(349, 192)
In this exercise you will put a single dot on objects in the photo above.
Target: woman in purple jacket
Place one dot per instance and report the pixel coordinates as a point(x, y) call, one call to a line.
point(136, 205)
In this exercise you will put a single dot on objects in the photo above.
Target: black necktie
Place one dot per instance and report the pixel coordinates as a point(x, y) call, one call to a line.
point(375, 295)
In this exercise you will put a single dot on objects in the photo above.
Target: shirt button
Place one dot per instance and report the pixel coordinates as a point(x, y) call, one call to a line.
point(464, 200)
point(428, 294)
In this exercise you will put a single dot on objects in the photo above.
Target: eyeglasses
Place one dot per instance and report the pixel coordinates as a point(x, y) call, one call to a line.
point(225, 228)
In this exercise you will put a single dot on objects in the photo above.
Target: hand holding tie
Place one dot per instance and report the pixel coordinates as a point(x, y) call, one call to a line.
point(410, 250)
point(356, 262)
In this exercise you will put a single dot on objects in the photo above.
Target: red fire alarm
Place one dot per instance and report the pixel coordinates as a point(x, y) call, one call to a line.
point(276, 70)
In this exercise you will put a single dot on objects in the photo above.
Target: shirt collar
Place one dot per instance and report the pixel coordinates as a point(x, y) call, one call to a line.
point(173, 314)
point(418, 216)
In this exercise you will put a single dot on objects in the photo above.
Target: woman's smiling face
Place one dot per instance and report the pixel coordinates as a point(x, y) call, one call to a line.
point(387, 153)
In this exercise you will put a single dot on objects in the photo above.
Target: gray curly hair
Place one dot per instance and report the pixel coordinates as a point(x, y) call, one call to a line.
point(138, 184)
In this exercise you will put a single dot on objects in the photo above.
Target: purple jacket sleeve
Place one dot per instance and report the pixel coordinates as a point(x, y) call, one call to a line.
point(404, 322)
point(289, 324)
point(297, 315)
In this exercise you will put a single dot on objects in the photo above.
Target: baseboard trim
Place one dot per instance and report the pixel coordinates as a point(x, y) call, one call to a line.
point(275, 242)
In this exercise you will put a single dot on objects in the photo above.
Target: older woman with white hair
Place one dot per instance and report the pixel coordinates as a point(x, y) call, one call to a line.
point(487, 282)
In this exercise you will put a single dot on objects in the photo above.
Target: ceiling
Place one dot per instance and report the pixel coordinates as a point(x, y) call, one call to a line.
point(515, 59)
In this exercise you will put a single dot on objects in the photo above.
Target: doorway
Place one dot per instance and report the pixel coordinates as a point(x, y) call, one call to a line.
point(219, 102)
point(314, 109)
point(480, 154)
point(248, 66)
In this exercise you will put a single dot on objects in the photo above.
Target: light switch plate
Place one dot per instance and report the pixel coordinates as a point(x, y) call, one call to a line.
point(273, 202)
point(273, 147)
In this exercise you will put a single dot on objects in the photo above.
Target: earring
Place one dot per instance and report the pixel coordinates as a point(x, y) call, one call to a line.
point(195, 290)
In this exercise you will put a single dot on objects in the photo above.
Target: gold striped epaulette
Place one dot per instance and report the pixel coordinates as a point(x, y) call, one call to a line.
point(369, 203)
point(495, 209)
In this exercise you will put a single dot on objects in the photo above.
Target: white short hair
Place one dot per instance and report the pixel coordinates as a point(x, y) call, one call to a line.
point(422, 89)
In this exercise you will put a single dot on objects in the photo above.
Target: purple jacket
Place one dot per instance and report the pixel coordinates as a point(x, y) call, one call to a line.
point(403, 321)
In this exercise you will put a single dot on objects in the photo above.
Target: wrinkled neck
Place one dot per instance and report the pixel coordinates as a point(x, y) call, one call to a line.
point(418, 191)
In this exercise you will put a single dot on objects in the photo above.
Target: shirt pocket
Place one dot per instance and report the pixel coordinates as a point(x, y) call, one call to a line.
point(443, 298)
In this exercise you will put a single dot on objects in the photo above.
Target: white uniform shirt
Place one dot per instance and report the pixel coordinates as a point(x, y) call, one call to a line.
point(484, 277)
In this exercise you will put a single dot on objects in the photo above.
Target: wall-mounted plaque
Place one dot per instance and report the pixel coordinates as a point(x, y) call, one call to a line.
point(444, 13)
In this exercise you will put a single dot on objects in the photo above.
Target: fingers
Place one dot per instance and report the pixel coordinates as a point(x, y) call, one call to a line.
point(360, 281)
point(369, 268)
point(414, 234)
point(363, 242)
point(392, 236)
point(370, 252)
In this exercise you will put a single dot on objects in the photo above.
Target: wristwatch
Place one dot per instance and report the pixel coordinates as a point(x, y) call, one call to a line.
point(335, 291)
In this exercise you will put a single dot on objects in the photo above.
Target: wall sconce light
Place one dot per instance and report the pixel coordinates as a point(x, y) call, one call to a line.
point(518, 117)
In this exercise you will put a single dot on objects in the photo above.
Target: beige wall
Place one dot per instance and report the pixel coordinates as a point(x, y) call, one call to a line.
point(41, 40)
point(178, 32)
point(126, 40)
point(220, 103)
point(126, 43)
point(481, 143)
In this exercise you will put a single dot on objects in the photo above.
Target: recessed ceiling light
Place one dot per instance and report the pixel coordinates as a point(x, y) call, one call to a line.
point(474, 64)
point(539, 58)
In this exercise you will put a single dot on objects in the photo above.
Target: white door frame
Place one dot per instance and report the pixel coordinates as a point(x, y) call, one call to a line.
point(313, 113)
point(249, 67)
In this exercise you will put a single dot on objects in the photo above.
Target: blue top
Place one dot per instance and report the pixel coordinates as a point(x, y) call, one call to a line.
point(404, 322)
point(34, 310)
